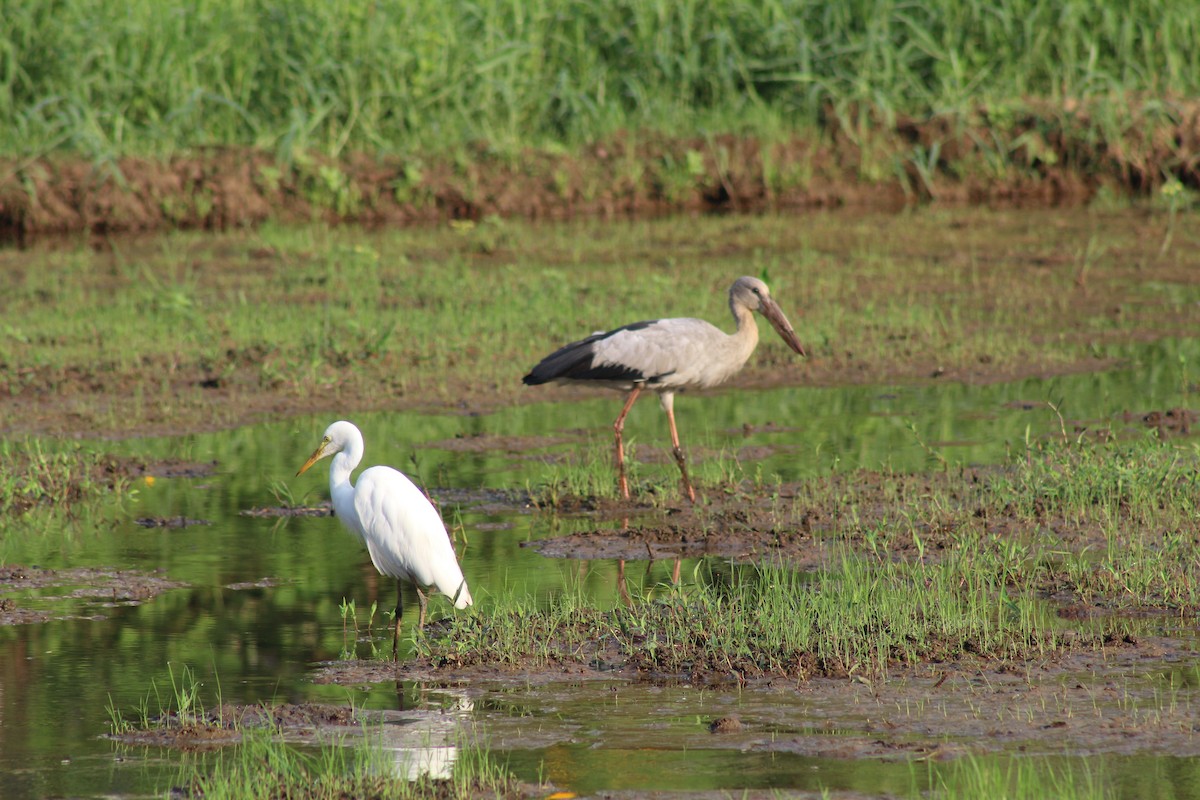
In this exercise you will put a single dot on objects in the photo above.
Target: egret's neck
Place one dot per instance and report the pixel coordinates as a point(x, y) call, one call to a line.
point(339, 471)
point(342, 465)
point(341, 491)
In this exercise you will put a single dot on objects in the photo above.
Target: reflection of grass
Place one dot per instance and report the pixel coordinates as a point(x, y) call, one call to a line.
point(262, 765)
point(259, 761)
point(591, 473)
point(1014, 778)
point(60, 493)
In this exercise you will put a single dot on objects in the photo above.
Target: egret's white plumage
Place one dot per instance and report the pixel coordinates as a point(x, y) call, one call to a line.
point(402, 530)
point(666, 356)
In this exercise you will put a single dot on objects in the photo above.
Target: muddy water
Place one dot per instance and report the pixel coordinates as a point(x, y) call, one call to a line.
point(260, 607)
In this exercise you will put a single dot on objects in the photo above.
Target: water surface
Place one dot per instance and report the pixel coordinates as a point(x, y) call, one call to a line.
point(263, 596)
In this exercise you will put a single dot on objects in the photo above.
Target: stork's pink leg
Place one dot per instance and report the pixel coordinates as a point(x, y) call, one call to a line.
point(622, 589)
point(619, 426)
point(669, 406)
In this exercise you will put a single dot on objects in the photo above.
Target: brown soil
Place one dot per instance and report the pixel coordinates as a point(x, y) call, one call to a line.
point(224, 724)
point(1050, 160)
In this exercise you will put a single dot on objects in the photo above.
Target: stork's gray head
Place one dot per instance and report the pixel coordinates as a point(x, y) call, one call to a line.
point(753, 294)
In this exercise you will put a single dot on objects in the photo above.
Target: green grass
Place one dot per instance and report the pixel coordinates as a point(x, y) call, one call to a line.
point(56, 492)
point(183, 707)
point(393, 76)
point(1138, 483)
point(855, 618)
point(427, 318)
point(1106, 521)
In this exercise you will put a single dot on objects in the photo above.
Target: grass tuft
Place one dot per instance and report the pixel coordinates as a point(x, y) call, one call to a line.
point(768, 620)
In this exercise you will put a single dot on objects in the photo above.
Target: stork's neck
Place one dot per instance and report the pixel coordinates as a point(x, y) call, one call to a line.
point(746, 334)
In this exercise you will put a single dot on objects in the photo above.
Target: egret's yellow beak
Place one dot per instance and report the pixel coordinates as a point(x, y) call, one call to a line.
point(317, 455)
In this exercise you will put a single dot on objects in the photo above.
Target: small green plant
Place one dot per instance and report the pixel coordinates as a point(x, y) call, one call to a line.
point(183, 708)
point(408, 188)
point(1176, 197)
point(353, 633)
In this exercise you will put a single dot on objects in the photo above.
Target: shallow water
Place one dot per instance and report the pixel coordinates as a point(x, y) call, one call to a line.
point(262, 603)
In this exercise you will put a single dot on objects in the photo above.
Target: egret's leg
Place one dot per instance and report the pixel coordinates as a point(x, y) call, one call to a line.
point(668, 403)
point(424, 601)
point(399, 614)
point(619, 426)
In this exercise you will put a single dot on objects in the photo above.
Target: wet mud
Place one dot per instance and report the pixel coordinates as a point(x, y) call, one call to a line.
point(86, 590)
point(224, 724)
point(1122, 696)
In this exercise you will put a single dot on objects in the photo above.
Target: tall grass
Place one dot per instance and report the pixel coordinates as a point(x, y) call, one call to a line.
point(148, 77)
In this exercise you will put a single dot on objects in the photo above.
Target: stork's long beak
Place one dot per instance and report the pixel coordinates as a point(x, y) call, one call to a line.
point(781, 325)
point(317, 455)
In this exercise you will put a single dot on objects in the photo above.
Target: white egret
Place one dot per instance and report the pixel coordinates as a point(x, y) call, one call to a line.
point(403, 532)
point(667, 356)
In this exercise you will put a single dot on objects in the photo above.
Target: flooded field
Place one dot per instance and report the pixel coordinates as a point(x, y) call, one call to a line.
point(222, 574)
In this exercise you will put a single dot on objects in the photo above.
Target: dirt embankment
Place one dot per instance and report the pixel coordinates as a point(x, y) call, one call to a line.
point(1048, 155)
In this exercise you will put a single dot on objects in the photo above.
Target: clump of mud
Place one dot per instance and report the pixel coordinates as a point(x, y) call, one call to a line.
point(99, 588)
point(224, 725)
point(169, 522)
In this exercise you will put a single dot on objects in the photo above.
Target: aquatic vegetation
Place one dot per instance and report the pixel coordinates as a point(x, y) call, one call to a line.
point(58, 494)
point(854, 619)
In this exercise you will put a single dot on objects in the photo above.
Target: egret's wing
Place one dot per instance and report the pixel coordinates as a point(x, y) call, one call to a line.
point(404, 533)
